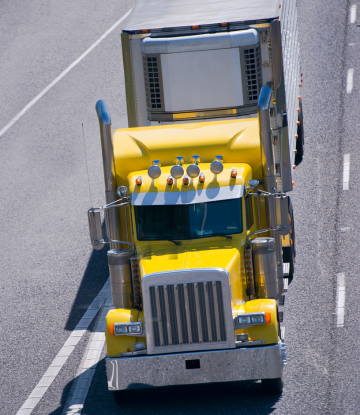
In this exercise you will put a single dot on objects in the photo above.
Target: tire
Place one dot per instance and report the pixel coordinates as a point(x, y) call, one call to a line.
point(300, 140)
point(272, 386)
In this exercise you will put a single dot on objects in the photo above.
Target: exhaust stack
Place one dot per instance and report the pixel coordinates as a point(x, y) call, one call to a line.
point(113, 222)
point(267, 160)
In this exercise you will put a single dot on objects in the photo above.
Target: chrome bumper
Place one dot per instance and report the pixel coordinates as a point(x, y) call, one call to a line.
point(183, 368)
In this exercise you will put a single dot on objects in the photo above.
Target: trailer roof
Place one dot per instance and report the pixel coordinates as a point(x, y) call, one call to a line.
point(155, 14)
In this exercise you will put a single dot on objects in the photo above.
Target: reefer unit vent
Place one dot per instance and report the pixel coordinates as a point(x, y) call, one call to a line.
point(201, 72)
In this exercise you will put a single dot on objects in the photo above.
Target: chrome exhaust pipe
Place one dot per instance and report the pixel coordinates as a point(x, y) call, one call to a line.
point(113, 222)
point(268, 170)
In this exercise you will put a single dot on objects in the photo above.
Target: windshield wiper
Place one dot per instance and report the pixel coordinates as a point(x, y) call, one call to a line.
point(216, 234)
point(175, 242)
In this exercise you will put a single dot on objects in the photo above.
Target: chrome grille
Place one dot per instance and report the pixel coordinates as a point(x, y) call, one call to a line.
point(187, 313)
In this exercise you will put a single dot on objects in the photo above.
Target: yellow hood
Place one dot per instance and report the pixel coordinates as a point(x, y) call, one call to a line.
point(215, 252)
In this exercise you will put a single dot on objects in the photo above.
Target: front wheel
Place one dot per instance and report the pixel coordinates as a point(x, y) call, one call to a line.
point(272, 386)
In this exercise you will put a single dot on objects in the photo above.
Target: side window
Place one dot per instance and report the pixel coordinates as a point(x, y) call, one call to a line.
point(249, 212)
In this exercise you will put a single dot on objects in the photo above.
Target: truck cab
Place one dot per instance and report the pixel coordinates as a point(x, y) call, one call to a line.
point(188, 272)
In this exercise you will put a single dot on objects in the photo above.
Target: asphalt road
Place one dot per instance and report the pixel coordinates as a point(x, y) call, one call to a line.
point(49, 273)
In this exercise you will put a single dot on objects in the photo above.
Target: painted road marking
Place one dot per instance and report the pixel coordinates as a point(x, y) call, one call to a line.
point(68, 69)
point(76, 401)
point(350, 81)
point(65, 351)
point(346, 172)
point(340, 299)
point(353, 13)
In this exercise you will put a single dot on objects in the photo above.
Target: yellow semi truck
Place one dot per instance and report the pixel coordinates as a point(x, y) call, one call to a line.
point(197, 213)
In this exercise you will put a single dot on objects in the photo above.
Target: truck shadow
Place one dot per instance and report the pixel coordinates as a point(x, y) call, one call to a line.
point(95, 276)
point(233, 398)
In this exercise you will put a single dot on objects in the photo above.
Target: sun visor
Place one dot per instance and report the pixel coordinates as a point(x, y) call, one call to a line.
point(210, 194)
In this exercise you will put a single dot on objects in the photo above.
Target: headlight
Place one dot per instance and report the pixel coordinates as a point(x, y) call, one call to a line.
point(120, 329)
point(258, 319)
point(251, 319)
point(244, 320)
point(127, 329)
point(135, 328)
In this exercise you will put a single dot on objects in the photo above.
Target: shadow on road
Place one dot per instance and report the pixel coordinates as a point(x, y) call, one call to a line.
point(216, 398)
point(94, 278)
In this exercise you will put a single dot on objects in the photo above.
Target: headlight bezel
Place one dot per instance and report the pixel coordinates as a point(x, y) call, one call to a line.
point(245, 320)
point(129, 329)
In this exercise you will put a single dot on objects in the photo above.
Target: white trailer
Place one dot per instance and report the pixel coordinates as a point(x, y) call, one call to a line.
point(196, 60)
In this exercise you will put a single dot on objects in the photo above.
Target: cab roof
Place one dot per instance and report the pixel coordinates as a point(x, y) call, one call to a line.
point(236, 140)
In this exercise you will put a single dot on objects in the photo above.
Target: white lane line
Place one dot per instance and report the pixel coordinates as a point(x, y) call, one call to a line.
point(87, 368)
point(340, 299)
point(65, 351)
point(350, 81)
point(346, 172)
point(353, 13)
point(56, 80)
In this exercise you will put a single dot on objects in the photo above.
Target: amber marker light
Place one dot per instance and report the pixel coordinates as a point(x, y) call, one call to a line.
point(223, 24)
point(202, 178)
point(145, 31)
point(170, 181)
point(111, 329)
point(139, 181)
point(267, 317)
point(233, 173)
point(195, 27)
point(293, 183)
point(186, 180)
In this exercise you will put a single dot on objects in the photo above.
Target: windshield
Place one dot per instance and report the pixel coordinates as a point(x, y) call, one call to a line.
point(169, 222)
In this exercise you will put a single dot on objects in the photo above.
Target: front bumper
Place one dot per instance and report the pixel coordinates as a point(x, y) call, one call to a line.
point(137, 372)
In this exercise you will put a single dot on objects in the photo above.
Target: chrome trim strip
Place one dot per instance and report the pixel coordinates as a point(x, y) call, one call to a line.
point(243, 363)
point(198, 311)
point(161, 334)
point(181, 275)
point(167, 308)
point(178, 316)
point(207, 311)
point(217, 318)
point(187, 312)
point(188, 197)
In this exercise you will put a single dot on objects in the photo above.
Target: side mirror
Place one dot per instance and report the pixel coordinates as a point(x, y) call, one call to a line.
point(96, 236)
point(282, 214)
